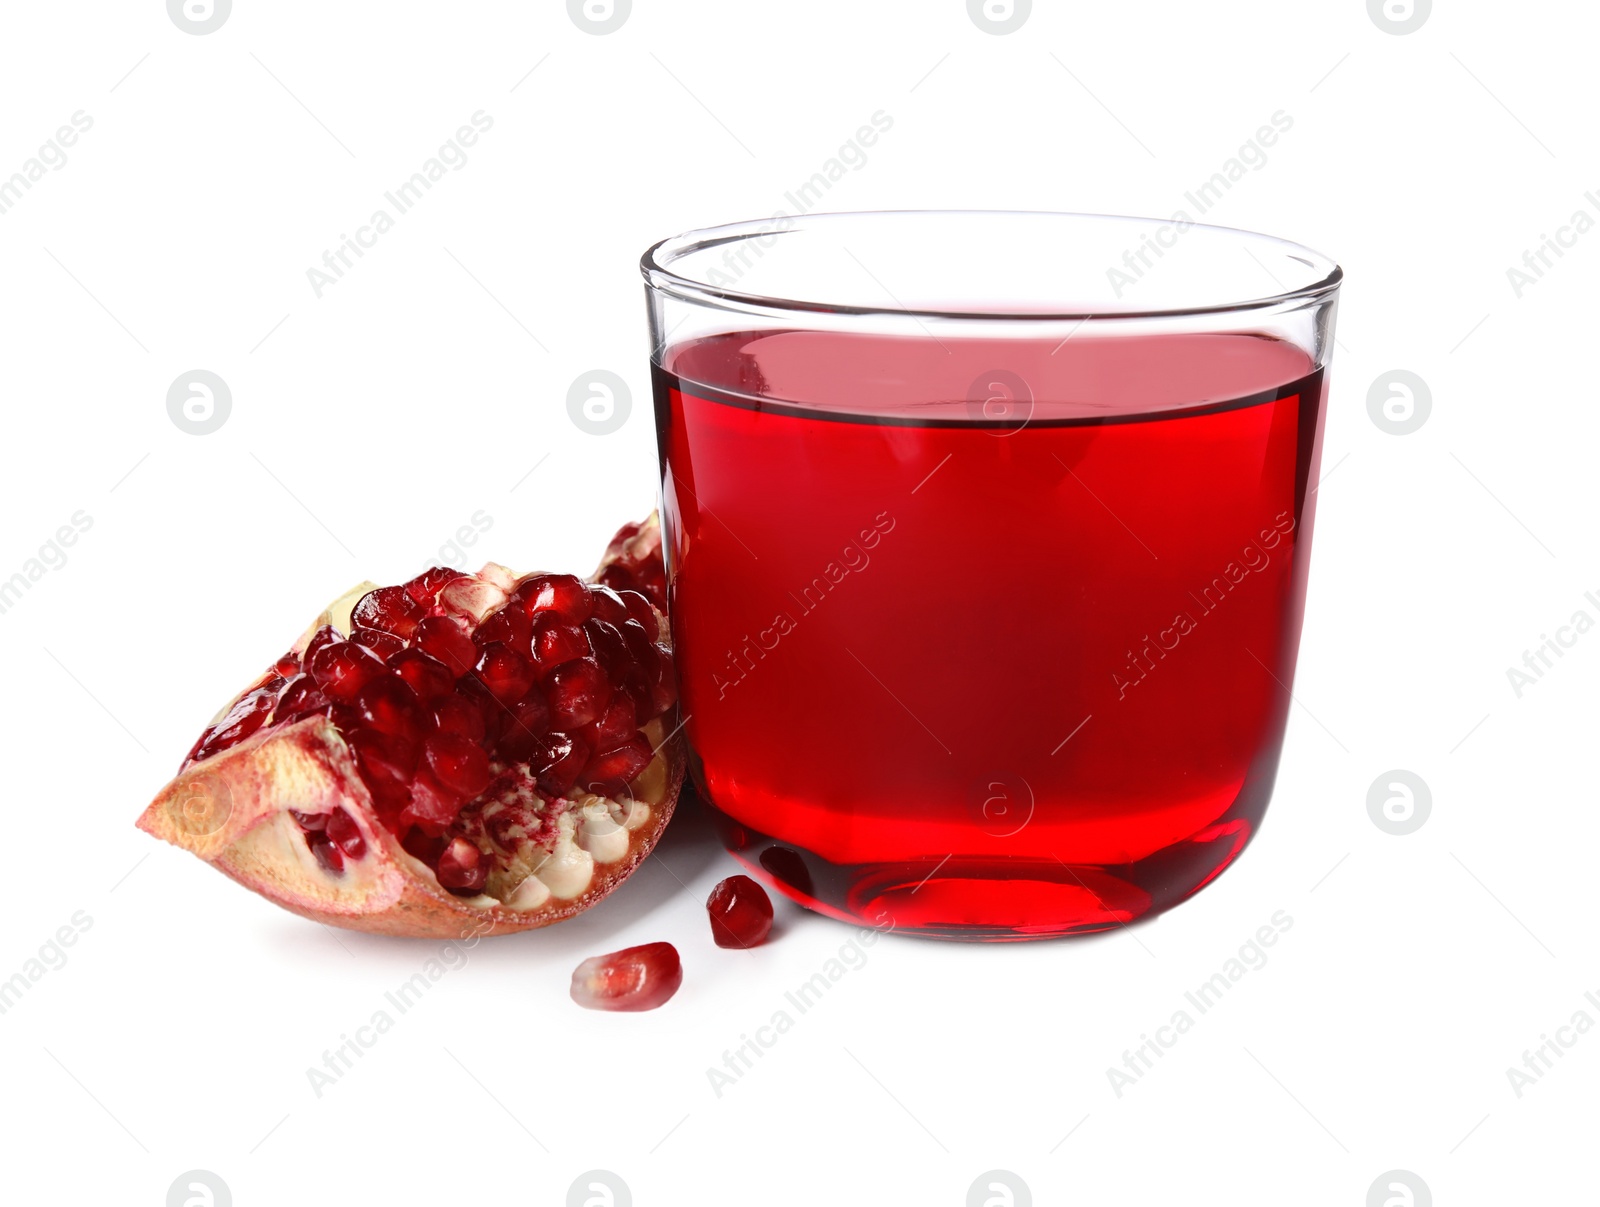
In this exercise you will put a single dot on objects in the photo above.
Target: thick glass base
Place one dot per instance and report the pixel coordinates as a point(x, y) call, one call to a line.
point(988, 899)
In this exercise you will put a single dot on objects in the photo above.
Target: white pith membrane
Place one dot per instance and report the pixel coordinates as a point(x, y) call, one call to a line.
point(546, 858)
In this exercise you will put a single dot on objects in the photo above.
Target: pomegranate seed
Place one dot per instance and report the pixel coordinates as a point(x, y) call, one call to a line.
point(445, 640)
point(427, 676)
point(612, 770)
point(384, 645)
point(510, 626)
point(325, 636)
point(462, 868)
point(328, 855)
point(610, 648)
point(310, 822)
point(555, 641)
point(425, 587)
point(530, 718)
point(342, 670)
point(426, 847)
point(388, 609)
point(458, 715)
point(619, 723)
point(557, 761)
point(433, 807)
point(243, 719)
point(741, 913)
point(504, 672)
point(344, 834)
point(288, 666)
point(639, 609)
point(608, 605)
point(458, 764)
point(579, 693)
point(562, 594)
point(635, 978)
point(390, 706)
point(300, 700)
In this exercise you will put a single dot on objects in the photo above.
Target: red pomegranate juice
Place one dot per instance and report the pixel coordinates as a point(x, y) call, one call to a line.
point(987, 638)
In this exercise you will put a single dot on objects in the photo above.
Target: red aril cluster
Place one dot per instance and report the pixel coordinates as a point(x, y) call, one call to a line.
point(471, 702)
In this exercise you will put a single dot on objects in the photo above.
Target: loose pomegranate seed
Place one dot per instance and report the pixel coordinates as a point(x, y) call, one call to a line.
point(741, 913)
point(561, 594)
point(579, 693)
point(457, 764)
point(427, 676)
point(444, 639)
point(555, 641)
point(557, 762)
point(504, 672)
point(462, 868)
point(425, 587)
point(612, 770)
point(635, 978)
point(388, 609)
point(342, 670)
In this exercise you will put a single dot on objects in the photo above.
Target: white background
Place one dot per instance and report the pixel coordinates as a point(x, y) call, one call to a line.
point(369, 424)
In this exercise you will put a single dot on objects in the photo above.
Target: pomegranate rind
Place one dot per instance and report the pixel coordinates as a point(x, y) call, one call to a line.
point(232, 811)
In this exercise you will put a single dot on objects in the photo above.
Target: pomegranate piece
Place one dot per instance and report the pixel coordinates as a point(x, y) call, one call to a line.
point(635, 978)
point(741, 913)
point(445, 750)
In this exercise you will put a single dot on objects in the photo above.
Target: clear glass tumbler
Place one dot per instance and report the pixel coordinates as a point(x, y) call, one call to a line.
point(987, 538)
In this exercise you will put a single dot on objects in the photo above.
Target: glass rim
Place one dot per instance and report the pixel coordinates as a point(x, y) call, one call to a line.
point(655, 265)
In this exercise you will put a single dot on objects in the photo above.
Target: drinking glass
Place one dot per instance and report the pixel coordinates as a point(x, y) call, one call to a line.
point(987, 537)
